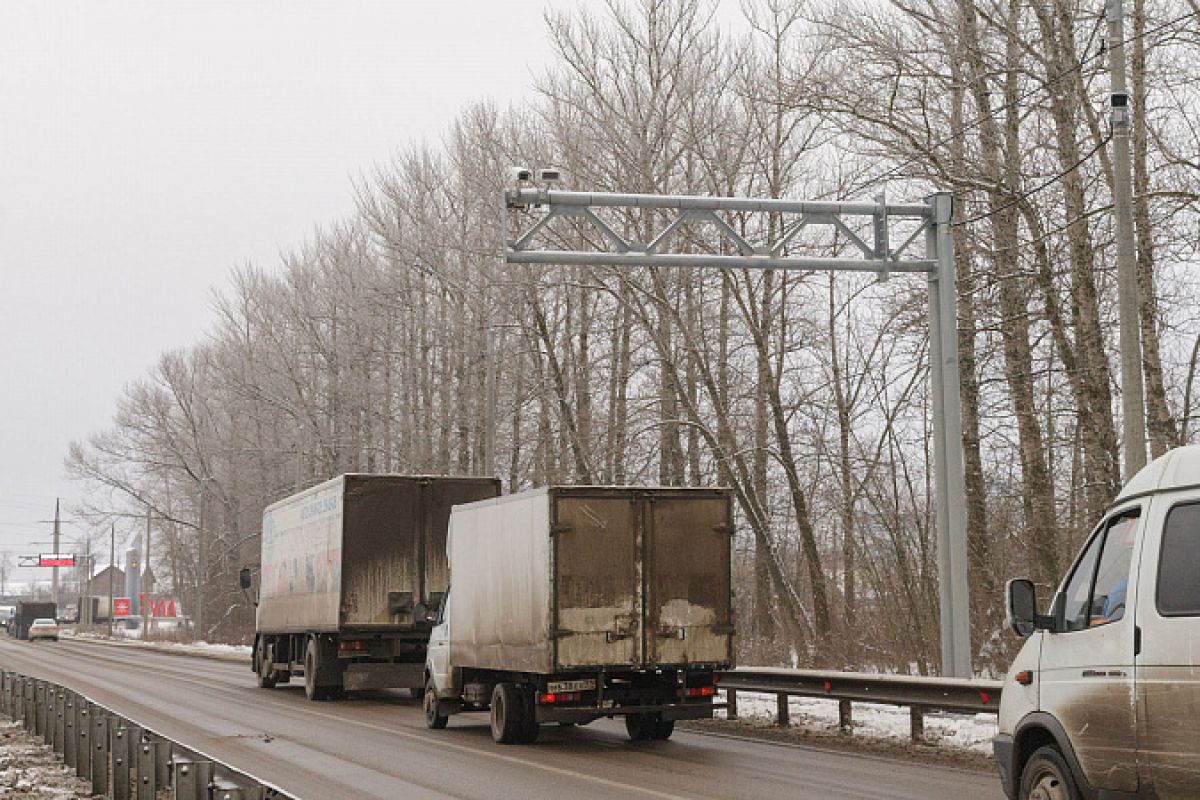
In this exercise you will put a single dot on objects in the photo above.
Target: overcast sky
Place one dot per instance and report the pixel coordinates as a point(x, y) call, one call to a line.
point(147, 148)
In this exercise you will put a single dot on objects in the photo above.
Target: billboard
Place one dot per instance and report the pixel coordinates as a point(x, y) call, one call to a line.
point(56, 560)
point(120, 606)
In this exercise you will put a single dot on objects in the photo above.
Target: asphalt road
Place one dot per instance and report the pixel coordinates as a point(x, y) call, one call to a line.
point(377, 746)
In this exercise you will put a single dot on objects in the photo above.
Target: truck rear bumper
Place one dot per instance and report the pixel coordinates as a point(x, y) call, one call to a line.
point(383, 676)
point(583, 714)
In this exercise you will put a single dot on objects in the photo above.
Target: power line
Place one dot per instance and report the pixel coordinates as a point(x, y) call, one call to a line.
point(1044, 184)
point(975, 123)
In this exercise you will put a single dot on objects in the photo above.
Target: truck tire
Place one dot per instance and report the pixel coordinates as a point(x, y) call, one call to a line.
point(640, 727)
point(529, 724)
point(433, 719)
point(322, 671)
point(1047, 777)
point(262, 665)
point(663, 728)
point(508, 712)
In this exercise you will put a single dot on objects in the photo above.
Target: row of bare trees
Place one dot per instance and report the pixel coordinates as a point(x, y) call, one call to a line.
point(397, 340)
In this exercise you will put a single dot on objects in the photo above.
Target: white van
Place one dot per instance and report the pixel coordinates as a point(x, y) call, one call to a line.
point(1103, 701)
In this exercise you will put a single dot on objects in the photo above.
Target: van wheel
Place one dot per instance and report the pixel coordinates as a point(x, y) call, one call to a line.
point(433, 719)
point(640, 727)
point(1047, 777)
point(663, 729)
point(507, 714)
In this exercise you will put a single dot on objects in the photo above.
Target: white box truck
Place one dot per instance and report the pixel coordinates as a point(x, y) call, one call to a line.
point(1103, 700)
point(568, 604)
point(352, 570)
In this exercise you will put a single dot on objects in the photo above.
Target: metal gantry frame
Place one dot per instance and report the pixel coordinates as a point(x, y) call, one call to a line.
point(877, 254)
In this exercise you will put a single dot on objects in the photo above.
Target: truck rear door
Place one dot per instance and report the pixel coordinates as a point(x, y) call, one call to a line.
point(598, 613)
point(688, 578)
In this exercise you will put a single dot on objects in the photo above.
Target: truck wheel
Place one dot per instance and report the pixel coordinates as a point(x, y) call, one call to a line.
point(312, 690)
point(433, 719)
point(663, 728)
point(529, 727)
point(640, 727)
point(1047, 777)
point(262, 665)
point(507, 713)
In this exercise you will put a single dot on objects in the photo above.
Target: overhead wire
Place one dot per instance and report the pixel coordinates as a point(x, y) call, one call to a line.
point(1077, 67)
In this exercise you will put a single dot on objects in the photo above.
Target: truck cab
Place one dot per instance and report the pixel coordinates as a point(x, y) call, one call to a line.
point(1103, 700)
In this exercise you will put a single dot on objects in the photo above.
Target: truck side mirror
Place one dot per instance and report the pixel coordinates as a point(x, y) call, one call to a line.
point(244, 578)
point(1022, 616)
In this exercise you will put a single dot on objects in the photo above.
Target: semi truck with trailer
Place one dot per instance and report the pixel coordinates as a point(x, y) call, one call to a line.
point(568, 604)
point(26, 612)
point(351, 572)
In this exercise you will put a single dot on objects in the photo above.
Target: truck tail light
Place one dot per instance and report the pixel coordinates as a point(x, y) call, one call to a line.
point(698, 691)
point(546, 698)
point(352, 646)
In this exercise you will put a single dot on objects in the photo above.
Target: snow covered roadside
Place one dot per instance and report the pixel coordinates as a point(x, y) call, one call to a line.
point(967, 732)
point(30, 769)
point(221, 652)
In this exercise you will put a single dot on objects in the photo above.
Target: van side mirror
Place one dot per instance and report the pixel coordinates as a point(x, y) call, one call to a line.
point(244, 578)
point(1022, 616)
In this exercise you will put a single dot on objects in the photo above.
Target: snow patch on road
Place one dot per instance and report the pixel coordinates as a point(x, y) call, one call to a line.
point(972, 732)
point(228, 652)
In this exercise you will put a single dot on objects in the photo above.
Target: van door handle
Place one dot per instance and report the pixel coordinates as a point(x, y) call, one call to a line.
point(1137, 640)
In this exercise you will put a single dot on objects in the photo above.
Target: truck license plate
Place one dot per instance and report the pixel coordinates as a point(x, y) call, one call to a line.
point(556, 687)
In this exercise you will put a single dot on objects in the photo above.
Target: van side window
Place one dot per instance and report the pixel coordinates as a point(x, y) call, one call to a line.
point(1096, 593)
point(1179, 564)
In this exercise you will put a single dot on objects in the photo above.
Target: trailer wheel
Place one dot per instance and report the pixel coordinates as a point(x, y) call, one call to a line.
point(433, 719)
point(508, 709)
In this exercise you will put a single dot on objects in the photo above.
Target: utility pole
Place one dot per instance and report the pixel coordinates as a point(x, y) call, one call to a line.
point(1133, 404)
point(489, 417)
point(54, 575)
point(112, 568)
point(146, 587)
point(199, 618)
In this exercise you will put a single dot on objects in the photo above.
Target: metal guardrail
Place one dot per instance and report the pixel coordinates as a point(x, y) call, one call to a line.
point(920, 694)
point(120, 758)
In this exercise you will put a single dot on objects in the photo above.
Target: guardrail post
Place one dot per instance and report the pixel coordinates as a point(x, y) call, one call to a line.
point(782, 714)
point(39, 710)
point(192, 779)
point(162, 763)
point(147, 786)
point(731, 700)
point(6, 693)
point(118, 756)
point(845, 716)
point(28, 703)
point(83, 739)
point(99, 753)
point(917, 717)
point(60, 731)
point(69, 740)
point(46, 713)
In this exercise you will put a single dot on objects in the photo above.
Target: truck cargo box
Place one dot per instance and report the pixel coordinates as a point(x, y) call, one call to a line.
point(586, 578)
point(26, 612)
point(359, 552)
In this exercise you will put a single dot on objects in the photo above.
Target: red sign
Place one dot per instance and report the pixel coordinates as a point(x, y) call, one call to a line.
point(120, 606)
point(55, 560)
point(158, 606)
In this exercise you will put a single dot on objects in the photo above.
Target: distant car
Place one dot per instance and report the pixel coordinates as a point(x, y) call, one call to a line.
point(43, 629)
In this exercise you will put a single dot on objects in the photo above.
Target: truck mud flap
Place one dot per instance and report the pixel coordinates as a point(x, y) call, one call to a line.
point(383, 676)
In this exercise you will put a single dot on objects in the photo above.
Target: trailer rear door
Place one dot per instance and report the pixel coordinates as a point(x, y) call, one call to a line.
point(598, 613)
point(688, 578)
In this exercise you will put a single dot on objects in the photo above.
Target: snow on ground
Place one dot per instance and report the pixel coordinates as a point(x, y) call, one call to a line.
point(29, 770)
point(225, 652)
point(971, 732)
